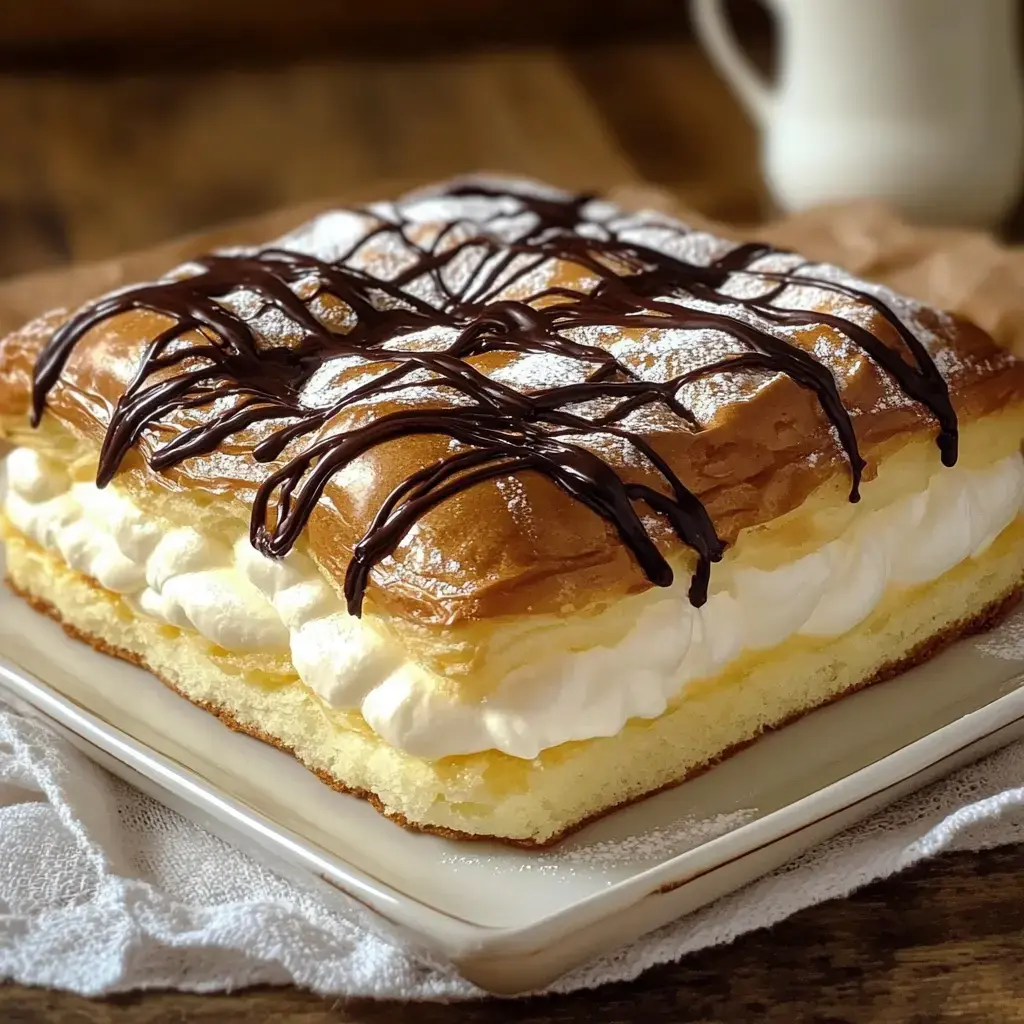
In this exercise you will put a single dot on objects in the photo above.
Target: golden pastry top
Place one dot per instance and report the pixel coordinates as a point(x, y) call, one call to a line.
point(502, 400)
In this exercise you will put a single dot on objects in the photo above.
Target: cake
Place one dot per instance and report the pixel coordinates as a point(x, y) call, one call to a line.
point(501, 507)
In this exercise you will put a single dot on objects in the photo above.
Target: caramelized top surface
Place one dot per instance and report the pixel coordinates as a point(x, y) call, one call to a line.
point(497, 399)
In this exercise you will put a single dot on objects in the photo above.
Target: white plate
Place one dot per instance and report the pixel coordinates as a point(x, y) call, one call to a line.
point(511, 920)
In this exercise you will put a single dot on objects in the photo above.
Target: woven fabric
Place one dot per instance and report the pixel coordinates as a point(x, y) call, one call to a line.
point(104, 890)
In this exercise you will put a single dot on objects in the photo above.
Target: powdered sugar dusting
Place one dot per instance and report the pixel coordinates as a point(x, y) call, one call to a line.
point(610, 857)
point(447, 221)
point(657, 844)
point(518, 503)
point(433, 247)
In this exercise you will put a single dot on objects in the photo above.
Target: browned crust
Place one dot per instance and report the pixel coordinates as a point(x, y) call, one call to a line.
point(755, 460)
point(990, 616)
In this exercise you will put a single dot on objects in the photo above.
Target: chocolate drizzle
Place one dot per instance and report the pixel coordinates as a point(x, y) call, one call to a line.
point(211, 352)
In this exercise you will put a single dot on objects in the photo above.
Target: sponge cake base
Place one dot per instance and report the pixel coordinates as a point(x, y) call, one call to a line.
point(532, 803)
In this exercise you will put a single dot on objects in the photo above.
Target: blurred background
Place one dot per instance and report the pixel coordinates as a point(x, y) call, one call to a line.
point(123, 123)
point(127, 122)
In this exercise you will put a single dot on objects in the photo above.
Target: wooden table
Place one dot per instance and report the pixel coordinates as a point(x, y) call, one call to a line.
point(95, 163)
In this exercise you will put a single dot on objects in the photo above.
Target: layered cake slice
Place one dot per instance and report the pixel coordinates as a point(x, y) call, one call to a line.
point(501, 507)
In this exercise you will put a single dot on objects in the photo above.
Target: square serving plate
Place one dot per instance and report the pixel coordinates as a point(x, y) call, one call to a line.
point(513, 920)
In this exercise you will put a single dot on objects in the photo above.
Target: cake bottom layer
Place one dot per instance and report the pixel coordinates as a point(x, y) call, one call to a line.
point(532, 803)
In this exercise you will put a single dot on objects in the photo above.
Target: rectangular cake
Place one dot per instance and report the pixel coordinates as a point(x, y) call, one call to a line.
point(501, 507)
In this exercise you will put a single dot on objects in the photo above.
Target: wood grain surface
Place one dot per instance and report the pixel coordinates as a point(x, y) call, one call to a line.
point(100, 161)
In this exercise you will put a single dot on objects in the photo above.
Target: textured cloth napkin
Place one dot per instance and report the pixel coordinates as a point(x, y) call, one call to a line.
point(102, 889)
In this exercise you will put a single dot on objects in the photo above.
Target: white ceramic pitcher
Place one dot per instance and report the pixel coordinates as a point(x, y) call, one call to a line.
point(916, 102)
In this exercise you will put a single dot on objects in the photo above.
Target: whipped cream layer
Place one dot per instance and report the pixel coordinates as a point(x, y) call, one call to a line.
point(242, 601)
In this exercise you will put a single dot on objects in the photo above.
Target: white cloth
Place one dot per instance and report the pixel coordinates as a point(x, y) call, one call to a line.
point(103, 890)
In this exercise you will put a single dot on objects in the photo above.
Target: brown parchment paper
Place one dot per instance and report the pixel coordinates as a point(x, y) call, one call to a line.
point(967, 272)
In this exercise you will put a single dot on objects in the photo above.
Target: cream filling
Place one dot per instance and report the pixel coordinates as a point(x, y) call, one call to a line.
point(242, 601)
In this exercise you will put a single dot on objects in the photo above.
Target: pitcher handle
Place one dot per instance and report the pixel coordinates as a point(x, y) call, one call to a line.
point(716, 34)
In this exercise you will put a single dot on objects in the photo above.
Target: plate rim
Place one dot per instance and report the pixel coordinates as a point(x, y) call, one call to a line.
point(459, 938)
